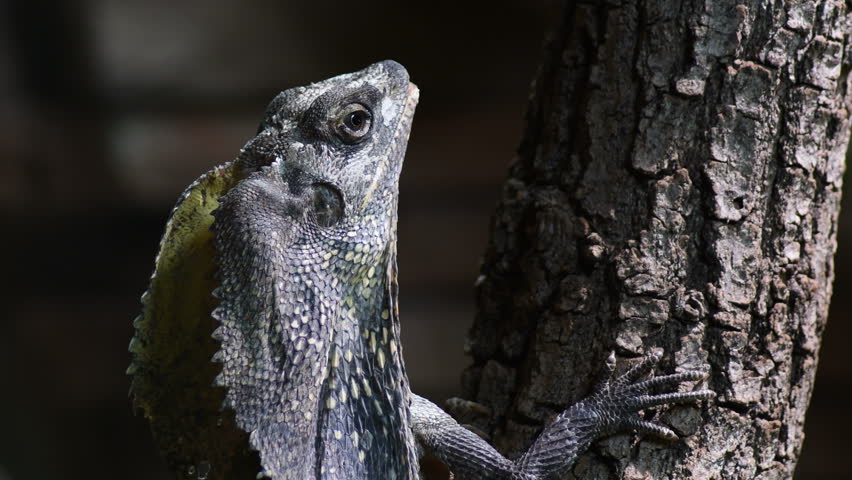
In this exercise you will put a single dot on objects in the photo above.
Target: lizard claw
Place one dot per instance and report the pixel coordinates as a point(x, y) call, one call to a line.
point(607, 373)
point(619, 401)
point(641, 369)
point(651, 428)
point(613, 406)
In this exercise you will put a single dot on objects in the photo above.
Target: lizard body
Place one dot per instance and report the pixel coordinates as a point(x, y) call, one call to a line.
point(281, 267)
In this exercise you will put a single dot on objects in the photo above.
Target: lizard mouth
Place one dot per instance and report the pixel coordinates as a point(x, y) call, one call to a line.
point(413, 96)
point(390, 167)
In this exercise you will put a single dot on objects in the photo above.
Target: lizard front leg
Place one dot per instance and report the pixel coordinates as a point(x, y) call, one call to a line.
point(612, 407)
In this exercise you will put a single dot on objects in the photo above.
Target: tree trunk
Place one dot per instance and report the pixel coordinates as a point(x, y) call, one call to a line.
point(676, 190)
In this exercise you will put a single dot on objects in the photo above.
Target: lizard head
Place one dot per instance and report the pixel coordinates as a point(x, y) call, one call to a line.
point(340, 142)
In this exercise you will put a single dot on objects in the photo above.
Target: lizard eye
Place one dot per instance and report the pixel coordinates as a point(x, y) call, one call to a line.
point(354, 123)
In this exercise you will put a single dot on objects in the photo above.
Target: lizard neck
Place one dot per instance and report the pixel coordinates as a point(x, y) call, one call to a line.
point(366, 426)
point(310, 343)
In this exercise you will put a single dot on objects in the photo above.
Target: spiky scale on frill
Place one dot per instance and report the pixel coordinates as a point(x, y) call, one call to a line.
point(171, 348)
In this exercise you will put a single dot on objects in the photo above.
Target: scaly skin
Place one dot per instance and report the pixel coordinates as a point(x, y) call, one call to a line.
point(288, 256)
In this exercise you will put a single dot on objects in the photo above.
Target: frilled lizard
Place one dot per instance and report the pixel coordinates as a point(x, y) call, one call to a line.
point(269, 343)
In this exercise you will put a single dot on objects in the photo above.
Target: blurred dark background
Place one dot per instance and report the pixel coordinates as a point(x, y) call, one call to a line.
point(108, 109)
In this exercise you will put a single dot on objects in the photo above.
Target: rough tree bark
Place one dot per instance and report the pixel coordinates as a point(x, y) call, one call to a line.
point(676, 190)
